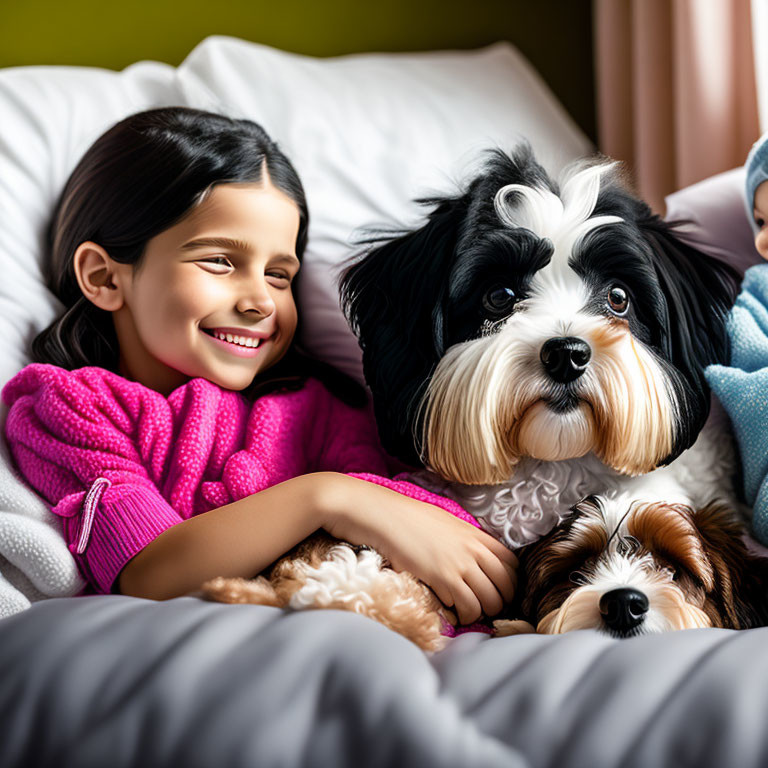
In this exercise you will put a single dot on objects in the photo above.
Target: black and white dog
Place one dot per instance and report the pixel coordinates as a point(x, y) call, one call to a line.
point(535, 343)
point(531, 345)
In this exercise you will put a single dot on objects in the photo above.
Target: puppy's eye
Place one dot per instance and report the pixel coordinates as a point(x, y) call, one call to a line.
point(499, 300)
point(618, 300)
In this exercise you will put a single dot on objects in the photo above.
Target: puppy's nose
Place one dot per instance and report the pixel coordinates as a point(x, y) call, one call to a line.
point(565, 358)
point(623, 609)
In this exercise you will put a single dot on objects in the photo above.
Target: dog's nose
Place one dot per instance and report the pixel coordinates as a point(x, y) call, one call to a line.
point(565, 358)
point(623, 609)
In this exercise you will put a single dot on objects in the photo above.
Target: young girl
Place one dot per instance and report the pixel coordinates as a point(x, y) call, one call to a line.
point(170, 420)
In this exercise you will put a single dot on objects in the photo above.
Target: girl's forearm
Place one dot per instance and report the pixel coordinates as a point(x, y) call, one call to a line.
point(465, 566)
point(239, 539)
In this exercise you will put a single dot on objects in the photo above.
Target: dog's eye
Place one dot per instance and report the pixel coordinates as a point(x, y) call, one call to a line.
point(499, 300)
point(618, 300)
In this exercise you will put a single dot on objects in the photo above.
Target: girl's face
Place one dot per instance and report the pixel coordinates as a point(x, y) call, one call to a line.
point(761, 218)
point(223, 271)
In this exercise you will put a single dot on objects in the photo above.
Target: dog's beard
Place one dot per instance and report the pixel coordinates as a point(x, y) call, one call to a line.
point(551, 436)
point(489, 403)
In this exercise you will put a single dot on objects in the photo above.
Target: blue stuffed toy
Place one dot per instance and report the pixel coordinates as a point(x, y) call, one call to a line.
point(742, 386)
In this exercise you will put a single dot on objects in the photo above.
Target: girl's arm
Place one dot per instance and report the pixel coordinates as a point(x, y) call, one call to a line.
point(239, 539)
point(466, 567)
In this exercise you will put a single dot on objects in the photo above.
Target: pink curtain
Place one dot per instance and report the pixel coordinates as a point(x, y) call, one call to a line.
point(676, 94)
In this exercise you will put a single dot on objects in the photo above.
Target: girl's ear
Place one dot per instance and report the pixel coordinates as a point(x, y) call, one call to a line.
point(393, 299)
point(98, 276)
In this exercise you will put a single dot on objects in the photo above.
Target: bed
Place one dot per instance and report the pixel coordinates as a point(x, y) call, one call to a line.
point(119, 681)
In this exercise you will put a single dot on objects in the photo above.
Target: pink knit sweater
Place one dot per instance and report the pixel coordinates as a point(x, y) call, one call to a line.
point(121, 463)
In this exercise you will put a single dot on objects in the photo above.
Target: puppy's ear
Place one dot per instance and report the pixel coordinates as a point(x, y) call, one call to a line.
point(394, 300)
point(698, 290)
point(740, 596)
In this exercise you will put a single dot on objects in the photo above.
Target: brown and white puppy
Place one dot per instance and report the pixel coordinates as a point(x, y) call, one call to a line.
point(652, 568)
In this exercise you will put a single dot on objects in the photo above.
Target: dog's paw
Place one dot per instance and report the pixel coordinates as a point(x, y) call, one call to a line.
point(508, 627)
point(236, 590)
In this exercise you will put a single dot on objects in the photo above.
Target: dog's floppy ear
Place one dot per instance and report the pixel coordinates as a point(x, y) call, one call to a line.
point(698, 290)
point(741, 578)
point(393, 299)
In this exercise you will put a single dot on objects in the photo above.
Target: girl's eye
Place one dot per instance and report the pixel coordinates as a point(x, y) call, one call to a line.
point(618, 300)
point(222, 261)
point(759, 221)
point(499, 300)
point(281, 276)
point(218, 259)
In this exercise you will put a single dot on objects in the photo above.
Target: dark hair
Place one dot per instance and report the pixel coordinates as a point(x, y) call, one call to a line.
point(141, 177)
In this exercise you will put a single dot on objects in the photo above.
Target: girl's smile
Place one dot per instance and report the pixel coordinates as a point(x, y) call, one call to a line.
point(237, 341)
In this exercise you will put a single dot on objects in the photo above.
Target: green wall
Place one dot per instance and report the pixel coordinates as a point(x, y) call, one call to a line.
point(555, 35)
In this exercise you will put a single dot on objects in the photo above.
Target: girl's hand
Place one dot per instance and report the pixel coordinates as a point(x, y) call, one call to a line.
point(465, 567)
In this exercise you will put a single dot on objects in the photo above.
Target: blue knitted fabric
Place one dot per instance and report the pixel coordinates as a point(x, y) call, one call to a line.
point(742, 388)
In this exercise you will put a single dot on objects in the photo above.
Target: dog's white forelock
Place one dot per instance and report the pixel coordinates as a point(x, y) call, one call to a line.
point(563, 220)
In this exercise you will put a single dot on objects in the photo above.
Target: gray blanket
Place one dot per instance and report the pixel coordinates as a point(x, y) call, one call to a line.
point(114, 681)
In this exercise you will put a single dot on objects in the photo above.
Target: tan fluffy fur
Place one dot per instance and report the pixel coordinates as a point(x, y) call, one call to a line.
point(397, 600)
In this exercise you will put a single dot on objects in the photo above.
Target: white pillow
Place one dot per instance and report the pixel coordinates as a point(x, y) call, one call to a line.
point(368, 133)
point(50, 116)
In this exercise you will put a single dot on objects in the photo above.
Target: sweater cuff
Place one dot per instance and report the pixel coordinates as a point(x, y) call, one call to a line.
point(421, 494)
point(126, 518)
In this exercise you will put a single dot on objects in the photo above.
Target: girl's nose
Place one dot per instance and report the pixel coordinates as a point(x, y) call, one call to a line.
point(258, 299)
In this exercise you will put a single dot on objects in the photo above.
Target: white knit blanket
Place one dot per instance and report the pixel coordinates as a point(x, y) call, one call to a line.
point(34, 560)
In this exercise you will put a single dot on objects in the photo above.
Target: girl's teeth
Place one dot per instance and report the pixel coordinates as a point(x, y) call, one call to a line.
point(243, 341)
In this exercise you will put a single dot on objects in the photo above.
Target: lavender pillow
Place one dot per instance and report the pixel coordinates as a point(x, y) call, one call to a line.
point(719, 224)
